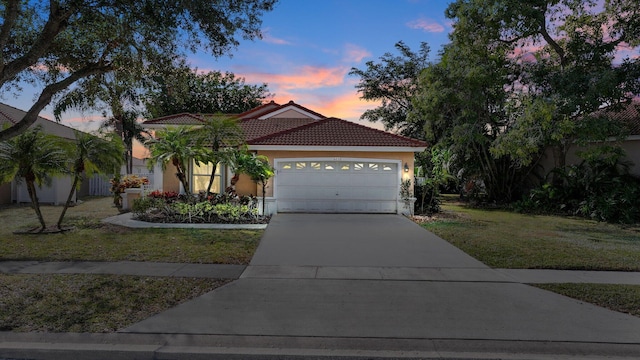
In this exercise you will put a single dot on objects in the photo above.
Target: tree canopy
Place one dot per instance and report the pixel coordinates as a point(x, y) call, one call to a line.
point(54, 44)
point(520, 77)
point(393, 81)
point(183, 90)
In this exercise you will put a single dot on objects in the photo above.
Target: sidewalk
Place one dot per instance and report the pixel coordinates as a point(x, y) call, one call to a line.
point(219, 271)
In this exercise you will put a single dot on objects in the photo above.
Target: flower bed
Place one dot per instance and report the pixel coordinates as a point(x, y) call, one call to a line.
point(169, 207)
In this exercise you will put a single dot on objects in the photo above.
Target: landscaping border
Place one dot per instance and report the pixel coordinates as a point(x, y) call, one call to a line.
point(127, 221)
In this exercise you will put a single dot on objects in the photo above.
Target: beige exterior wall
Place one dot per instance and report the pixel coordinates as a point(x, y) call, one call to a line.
point(407, 158)
point(246, 186)
point(170, 181)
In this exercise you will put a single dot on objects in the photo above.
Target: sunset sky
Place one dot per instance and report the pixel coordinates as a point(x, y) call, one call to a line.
point(309, 47)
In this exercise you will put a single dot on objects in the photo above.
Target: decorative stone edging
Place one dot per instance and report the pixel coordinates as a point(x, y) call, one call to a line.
point(126, 221)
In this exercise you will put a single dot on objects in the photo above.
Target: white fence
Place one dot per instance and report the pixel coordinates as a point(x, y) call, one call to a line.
point(99, 185)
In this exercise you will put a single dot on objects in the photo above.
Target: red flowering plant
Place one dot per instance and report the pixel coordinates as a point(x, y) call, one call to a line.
point(168, 196)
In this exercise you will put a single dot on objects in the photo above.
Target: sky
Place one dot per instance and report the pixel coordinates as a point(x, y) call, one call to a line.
point(308, 48)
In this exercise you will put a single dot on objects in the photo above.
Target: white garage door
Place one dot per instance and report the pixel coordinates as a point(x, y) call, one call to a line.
point(337, 186)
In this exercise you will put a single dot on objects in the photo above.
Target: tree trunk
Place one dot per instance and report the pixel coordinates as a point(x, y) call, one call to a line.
point(264, 194)
point(213, 177)
point(36, 205)
point(76, 180)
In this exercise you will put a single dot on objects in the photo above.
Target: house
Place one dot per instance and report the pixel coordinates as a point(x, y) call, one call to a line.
point(322, 164)
point(629, 118)
point(57, 192)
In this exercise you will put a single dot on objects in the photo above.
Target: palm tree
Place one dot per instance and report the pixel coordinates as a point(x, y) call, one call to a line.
point(34, 157)
point(178, 146)
point(219, 132)
point(90, 155)
point(126, 125)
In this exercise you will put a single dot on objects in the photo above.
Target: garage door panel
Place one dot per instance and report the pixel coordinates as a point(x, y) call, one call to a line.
point(337, 186)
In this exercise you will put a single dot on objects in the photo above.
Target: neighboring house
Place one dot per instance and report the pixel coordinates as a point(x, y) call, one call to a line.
point(16, 191)
point(628, 117)
point(322, 164)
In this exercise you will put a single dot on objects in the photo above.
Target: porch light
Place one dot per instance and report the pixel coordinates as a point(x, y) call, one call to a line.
point(406, 167)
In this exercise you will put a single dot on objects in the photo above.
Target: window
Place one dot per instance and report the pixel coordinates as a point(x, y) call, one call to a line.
point(373, 167)
point(301, 165)
point(315, 165)
point(286, 166)
point(201, 176)
point(386, 168)
point(329, 166)
point(345, 167)
point(358, 166)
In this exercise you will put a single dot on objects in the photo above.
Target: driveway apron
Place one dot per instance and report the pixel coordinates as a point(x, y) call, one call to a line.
point(382, 276)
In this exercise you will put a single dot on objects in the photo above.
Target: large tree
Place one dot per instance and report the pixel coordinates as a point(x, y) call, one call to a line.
point(181, 89)
point(568, 59)
point(393, 81)
point(54, 44)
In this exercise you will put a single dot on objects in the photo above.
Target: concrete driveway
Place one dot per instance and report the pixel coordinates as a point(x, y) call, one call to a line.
point(381, 276)
point(355, 240)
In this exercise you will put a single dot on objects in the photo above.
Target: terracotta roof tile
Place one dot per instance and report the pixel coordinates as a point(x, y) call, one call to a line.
point(336, 132)
point(260, 110)
point(255, 128)
point(177, 119)
point(629, 116)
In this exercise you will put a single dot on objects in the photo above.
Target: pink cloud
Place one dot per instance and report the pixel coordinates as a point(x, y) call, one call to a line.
point(268, 38)
point(426, 25)
point(354, 53)
point(305, 77)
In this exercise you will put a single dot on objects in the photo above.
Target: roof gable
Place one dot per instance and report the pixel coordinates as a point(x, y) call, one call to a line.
point(336, 132)
point(289, 109)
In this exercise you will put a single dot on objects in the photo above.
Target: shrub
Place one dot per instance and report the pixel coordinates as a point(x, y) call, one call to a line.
point(600, 188)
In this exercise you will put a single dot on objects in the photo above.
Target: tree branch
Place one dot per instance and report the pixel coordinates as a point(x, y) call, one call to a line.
point(56, 23)
point(10, 16)
point(45, 98)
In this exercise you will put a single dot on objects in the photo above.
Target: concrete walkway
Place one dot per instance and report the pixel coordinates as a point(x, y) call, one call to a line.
point(360, 286)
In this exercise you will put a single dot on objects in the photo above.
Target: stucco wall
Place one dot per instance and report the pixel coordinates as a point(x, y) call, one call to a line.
point(631, 148)
point(407, 158)
point(170, 181)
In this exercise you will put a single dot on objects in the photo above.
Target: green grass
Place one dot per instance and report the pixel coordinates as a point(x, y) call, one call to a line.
point(90, 240)
point(503, 239)
point(90, 303)
point(621, 298)
point(103, 303)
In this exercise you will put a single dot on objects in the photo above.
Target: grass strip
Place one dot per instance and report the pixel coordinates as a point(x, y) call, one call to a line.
point(90, 303)
point(621, 298)
point(503, 239)
point(91, 240)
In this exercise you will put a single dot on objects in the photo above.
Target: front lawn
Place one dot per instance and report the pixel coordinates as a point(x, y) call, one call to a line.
point(91, 240)
point(503, 239)
point(90, 303)
point(104, 303)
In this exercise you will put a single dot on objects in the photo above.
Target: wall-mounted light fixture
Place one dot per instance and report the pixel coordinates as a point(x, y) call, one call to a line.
point(406, 167)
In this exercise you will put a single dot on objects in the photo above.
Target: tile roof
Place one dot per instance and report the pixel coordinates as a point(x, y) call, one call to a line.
point(298, 131)
point(12, 115)
point(260, 110)
point(629, 116)
point(177, 119)
point(256, 128)
point(336, 132)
